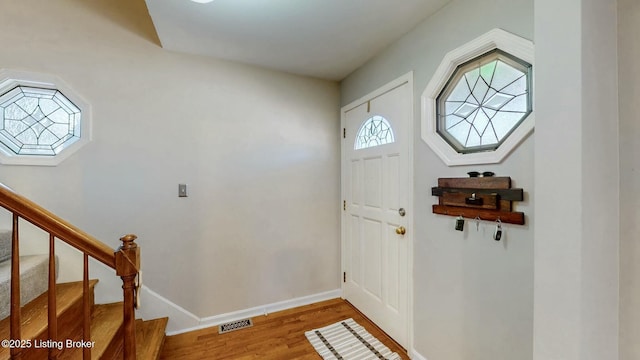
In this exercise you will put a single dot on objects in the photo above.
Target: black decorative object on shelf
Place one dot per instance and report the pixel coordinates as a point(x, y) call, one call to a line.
point(486, 198)
point(473, 174)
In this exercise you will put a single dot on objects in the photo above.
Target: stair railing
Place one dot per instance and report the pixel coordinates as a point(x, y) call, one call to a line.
point(125, 261)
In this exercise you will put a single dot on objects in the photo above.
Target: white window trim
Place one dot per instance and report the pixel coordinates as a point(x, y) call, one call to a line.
point(496, 38)
point(12, 78)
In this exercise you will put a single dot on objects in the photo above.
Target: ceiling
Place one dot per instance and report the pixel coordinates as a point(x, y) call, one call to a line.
point(320, 38)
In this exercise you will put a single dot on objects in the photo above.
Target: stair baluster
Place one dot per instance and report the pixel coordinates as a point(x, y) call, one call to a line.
point(16, 351)
point(86, 309)
point(52, 316)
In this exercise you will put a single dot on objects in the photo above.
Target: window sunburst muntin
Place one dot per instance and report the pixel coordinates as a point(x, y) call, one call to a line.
point(375, 131)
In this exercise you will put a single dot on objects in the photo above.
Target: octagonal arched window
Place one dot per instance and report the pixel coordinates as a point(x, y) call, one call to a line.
point(484, 100)
point(41, 123)
point(35, 121)
point(478, 105)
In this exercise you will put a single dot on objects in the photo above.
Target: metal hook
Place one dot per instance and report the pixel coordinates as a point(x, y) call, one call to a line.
point(478, 222)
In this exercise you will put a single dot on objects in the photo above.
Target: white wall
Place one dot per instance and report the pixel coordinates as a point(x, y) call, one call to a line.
point(258, 149)
point(473, 296)
point(629, 93)
point(577, 181)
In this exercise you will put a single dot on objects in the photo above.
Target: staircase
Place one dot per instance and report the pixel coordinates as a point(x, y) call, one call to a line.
point(45, 320)
point(106, 328)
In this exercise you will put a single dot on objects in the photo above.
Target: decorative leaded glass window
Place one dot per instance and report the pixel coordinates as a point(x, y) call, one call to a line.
point(484, 101)
point(42, 121)
point(477, 107)
point(35, 121)
point(375, 131)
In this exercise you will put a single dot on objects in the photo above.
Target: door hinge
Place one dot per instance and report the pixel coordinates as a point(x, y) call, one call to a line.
point(344, 133)
point(344, 277)
point(344, 205)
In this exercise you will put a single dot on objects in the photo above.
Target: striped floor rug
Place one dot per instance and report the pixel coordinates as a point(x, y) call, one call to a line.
point(346, 340)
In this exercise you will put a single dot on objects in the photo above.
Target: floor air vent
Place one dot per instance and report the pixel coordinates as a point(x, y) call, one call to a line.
point(234, 325)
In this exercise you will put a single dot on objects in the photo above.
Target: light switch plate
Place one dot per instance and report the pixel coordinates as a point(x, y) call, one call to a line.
point(182, 190)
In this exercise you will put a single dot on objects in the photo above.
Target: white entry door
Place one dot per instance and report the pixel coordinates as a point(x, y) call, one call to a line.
point(376, 231)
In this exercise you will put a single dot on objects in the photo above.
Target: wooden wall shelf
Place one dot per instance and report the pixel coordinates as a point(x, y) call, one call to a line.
point(487, 198)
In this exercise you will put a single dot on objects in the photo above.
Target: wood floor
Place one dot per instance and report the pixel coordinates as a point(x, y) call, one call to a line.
point(275, 336)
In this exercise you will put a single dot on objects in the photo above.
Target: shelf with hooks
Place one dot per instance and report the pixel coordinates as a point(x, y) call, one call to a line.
point(487, 198)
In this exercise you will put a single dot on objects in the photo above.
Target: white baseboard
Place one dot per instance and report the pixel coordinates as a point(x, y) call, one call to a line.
point(415, 355)
point(264, 309)
point(181, 320)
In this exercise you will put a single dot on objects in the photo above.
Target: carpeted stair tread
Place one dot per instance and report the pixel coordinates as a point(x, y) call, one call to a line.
point(150, 337)
point(5, 245)
point(34, 271)
point(34, 314)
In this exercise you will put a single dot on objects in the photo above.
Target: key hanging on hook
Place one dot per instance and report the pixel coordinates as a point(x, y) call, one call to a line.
point(497, 234)
point(460, 223)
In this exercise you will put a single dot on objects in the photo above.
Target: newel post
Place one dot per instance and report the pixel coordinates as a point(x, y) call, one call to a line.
point(127, 267)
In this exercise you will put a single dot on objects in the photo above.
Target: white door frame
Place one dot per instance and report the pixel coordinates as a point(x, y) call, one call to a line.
point(406, 78)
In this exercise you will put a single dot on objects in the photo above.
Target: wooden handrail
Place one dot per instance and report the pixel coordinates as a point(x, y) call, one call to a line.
point(55, 225)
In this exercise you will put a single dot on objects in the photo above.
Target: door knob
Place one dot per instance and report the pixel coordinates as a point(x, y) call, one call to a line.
point(401, 230)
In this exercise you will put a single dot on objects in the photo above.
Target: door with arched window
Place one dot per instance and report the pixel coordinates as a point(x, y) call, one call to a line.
point(376, 231)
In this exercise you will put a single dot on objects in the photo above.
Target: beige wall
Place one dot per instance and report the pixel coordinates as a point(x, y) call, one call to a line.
point(258, 149)
point(473, 296)
point(576, 157)
point(629, 96)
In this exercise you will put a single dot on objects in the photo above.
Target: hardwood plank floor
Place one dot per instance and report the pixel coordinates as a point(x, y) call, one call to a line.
point(275, 336)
